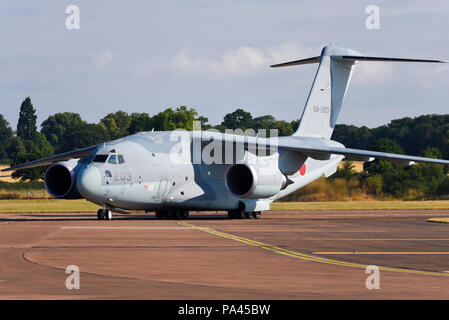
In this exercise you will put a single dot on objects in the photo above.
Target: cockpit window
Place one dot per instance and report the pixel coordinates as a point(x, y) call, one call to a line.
point(100, 158)
point(112, 159)
point(121, 159)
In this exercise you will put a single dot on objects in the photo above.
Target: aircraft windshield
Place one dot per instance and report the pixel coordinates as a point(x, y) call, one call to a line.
point(112, 159)
point(100, 158)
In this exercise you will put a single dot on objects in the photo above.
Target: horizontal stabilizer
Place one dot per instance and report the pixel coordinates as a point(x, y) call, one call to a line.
point(297, 62)
point(353, 58)
point(385, 59)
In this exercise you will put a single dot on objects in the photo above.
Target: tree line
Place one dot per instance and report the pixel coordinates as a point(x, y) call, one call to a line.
point(427, 135)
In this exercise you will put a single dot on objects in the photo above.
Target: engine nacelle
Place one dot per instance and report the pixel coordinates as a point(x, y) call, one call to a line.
point(60, 179)
point(254, 182)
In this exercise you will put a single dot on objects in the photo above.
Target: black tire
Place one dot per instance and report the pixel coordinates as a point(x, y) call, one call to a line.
point(107, 214)
point(245, 215)
point(256, 214)
point(169, 214)
point(232, 214)
point(159, 214)
point(100, 214)
point(185, 214)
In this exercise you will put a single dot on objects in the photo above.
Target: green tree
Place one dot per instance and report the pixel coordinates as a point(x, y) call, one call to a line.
point(382, 166)
point(238, 119)
point(85, 135)
point(26, 127)
point(294, 124)
point(56, 126)
point(373, 184)
point(346, 171)
point(427, 177)
point(169, 119)
point(204, 122)
point(284, 128)
point(140, 122)
point(29, 144)
point(29, 150)
point(6, 139)
point(117, 124)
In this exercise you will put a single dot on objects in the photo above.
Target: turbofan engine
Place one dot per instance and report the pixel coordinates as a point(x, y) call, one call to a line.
point(251, 181)
point(60, 179)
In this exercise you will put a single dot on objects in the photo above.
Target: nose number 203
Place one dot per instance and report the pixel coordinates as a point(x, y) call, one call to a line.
point(122, 176)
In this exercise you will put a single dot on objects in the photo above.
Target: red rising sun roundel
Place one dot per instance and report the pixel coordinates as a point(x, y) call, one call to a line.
point(302, 170)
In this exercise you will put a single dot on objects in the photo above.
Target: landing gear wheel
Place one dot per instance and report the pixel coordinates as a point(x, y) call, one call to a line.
point(160, 215)
point(256, 214)
point(232, 214)
point(108, 214)
point(185, 214)
point(238, 214)
point(100, 214)
point(170, 214)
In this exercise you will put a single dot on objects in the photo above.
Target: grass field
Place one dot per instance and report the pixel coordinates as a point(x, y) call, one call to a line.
point(46, 205)
point(361, 205)
point(52, 205)
point(6, 176)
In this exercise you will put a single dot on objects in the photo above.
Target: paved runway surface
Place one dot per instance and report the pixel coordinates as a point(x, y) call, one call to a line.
point(284, 255)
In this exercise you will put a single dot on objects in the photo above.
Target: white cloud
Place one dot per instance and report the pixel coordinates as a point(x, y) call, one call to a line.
point(373, 73)
point(102, 59)
point(243, 61)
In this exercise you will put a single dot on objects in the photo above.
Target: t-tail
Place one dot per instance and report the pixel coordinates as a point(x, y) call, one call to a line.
point(329, 87)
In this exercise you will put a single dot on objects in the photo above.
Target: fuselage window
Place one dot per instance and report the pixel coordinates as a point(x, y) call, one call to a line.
point(112, 159)
point(100, 158)
point(121, 159)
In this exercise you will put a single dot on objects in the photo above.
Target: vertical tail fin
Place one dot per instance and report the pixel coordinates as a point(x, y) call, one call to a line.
point(326, 95)
point(329, 88)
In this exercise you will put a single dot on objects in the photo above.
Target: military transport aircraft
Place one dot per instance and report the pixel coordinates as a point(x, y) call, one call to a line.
point(172, 172)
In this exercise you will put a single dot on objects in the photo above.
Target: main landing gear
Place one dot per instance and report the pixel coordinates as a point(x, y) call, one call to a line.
point(172, 214)
point(240, 214)
point(104, 214)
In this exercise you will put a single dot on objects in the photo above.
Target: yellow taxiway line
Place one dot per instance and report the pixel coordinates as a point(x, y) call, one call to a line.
point(381, 252)
point(440, 220)
point(302, 256)
point(377, 239)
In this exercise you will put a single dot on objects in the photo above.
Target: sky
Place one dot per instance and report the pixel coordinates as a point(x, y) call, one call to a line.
point(214, 56)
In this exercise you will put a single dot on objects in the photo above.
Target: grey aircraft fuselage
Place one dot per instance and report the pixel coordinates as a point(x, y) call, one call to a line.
point(148, 179)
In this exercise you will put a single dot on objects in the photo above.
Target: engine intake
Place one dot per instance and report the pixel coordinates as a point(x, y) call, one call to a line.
point(60, 180)
point(247, 181)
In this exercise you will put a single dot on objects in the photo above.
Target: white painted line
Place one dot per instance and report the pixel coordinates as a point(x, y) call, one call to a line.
point(373, 215)
point(130, 228)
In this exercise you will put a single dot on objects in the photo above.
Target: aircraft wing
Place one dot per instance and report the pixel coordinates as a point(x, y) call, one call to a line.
point(323, 151)
point(80, 153)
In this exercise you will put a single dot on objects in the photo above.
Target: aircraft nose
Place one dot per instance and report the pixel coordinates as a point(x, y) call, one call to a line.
point(89, 182)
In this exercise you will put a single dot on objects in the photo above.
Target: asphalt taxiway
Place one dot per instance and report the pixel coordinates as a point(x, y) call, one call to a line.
point(284, 255)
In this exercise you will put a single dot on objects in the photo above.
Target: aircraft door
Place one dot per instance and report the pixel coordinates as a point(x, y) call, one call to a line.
point(164, 188)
